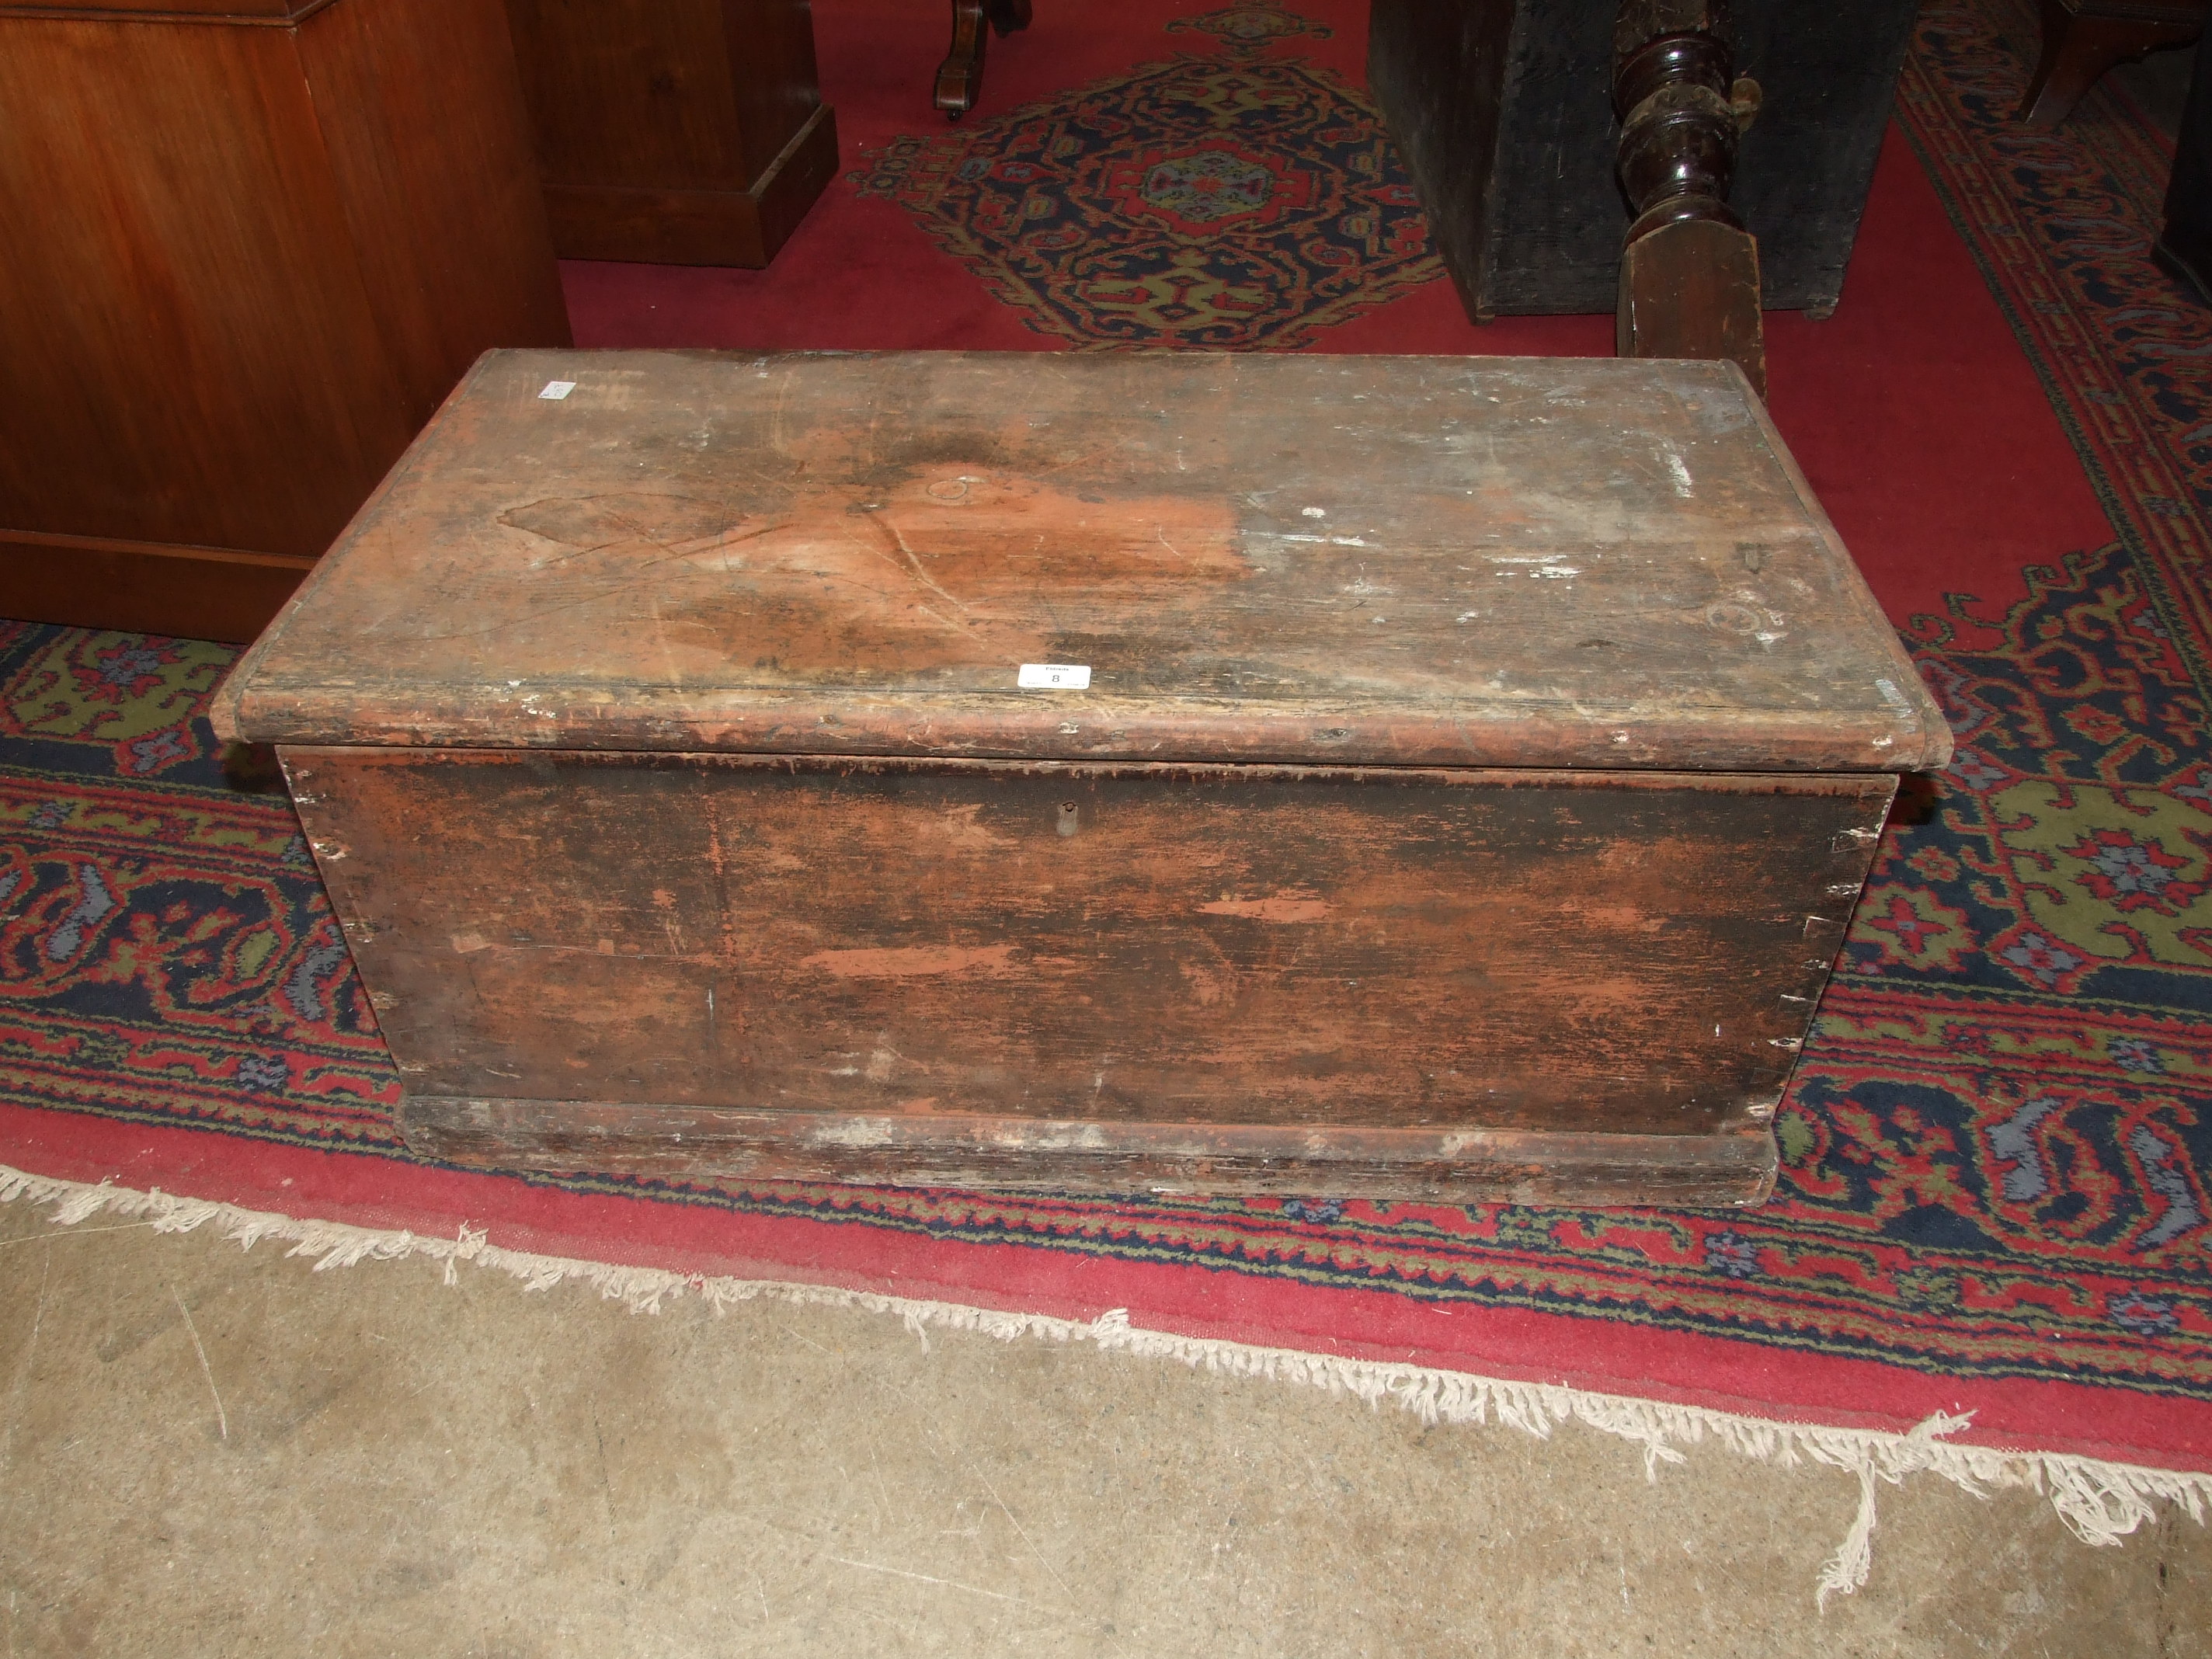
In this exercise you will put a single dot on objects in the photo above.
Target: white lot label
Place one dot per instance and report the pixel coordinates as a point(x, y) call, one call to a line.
point(557, 390)
point(1053, 677)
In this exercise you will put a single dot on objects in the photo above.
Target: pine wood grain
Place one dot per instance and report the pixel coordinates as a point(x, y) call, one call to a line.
point(1333, 949)
point(1332, 560)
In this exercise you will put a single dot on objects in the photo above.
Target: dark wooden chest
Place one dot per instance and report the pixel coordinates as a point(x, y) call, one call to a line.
point(1402, 776)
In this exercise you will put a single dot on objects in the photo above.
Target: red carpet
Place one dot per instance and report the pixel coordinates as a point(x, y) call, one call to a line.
point(1994, 1195)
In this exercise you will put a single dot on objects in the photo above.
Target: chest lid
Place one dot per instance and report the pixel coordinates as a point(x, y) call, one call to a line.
point(1378, 561)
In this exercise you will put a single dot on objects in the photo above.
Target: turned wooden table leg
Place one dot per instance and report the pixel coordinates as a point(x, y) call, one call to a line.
point(1689, 270)
point(960, 76)
point(2083, 39)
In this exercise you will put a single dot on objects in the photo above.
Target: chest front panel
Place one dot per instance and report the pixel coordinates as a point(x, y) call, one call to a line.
point(1328, 948)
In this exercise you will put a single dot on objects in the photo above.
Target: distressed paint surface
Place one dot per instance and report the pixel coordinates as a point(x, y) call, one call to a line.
point(1321, 952)
point(1300, 559)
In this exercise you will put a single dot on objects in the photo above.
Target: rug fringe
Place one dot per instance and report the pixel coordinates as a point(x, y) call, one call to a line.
point(2100, 1502)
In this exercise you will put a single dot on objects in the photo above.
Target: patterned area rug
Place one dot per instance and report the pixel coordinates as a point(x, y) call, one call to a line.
point(1994, 1190)
point(166, 954)
point(1228, 201)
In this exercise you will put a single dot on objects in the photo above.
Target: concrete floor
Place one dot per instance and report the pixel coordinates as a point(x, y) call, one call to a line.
point(209, 1452)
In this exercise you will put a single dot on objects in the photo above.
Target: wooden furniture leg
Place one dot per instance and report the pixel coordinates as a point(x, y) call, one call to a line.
point(960, 76)
point(1689, 270)
point(2083, 39)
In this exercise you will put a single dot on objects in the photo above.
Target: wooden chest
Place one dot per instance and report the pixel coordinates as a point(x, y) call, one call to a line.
point(1414, 777)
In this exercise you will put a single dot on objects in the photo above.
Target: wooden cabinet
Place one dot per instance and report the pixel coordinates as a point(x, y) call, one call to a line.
point(675, 131)
point(251, 245)
point(1419, 778)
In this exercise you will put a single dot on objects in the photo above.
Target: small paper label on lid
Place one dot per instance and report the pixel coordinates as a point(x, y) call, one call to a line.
point(1053, 677)
point(557, 390)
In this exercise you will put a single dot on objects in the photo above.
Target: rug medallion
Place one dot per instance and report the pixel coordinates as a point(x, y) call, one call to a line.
point(1231, 200)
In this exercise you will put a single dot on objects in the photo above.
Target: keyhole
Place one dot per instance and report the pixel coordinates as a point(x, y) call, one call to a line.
point(1068, 817)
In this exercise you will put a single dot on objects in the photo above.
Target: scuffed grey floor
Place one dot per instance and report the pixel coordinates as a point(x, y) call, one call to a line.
point(369, 1463)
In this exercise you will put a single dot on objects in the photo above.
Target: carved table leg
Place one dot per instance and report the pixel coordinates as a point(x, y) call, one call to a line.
point(1689, 270)
point(960, 76)
point(2083, 39)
